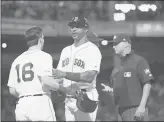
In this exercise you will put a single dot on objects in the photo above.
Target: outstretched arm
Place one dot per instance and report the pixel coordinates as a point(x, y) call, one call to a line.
point(87, 76)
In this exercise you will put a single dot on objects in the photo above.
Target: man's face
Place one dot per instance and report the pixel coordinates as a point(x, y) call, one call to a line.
point(120, 47)
point(77, 33)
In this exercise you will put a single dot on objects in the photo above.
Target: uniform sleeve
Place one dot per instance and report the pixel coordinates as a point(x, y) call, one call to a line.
point(45, 66)
point(144, 71)
point(62, 57)
point(94, 60)
point(59, 66)
point(12, 77)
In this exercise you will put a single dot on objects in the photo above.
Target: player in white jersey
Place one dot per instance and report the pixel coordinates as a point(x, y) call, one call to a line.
point(31, 80)
point(79, 65)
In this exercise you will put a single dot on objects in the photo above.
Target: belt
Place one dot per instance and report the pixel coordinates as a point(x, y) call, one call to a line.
point(31, 95)
point(71, 96)
point(88, 89)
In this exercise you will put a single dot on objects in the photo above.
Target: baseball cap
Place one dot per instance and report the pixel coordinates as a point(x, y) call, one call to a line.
point(79, 22)
point(33, 33)
point(121, 38)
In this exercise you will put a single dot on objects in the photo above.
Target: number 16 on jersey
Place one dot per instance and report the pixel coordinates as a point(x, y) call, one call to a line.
point(27, 74)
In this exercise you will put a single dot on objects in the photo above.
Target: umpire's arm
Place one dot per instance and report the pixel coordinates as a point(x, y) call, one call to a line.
point(146, 79)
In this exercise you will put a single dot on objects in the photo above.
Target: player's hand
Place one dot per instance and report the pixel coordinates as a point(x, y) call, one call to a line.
point(57, 74)
point(60, 81)
point(140, 112)
point(73, 88)
point(106, 88)
point(62, 91)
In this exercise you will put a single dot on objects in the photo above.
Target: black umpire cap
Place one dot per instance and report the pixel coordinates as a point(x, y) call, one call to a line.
point(79, 22)
point(121, 38)
point(33, 33)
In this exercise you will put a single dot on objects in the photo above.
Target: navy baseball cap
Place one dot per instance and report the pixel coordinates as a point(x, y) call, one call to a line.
point(33, 33)
point(121, 38)
point(79, 22)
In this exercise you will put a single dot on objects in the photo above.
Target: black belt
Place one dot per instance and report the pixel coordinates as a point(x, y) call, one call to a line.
point(71, 96)
point(31, 95)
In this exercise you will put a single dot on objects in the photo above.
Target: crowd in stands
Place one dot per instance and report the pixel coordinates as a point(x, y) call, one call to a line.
point(64, 10)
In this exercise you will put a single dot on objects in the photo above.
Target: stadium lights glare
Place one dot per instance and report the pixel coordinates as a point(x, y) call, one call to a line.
point(153, 7)
point(125, 7)
point(61, 3)
point(147, 7)
point(4, 45)
point(119, 16)
point(147, 26)
point(158, 27)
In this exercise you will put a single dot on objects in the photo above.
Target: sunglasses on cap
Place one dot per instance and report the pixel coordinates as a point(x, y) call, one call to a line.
point(115, 43)
point(76, 24)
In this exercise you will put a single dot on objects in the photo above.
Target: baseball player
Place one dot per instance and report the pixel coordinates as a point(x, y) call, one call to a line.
point(79, 65)
point(31, 80)
point(131, 81)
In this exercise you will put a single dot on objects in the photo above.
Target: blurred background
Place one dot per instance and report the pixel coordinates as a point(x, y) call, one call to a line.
point(142, 20)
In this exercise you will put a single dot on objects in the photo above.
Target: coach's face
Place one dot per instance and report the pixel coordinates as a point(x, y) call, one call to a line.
point(77, 33)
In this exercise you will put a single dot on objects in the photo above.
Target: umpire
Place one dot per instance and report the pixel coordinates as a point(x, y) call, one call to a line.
point(131, 81)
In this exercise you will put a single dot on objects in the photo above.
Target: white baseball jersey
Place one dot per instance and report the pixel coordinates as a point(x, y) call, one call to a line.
point(80, 59)
point(25, 71)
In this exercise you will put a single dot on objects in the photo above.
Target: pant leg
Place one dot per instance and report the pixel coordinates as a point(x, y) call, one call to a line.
point(59, 106)
point(59, 111)
point(19, 116)
point(69, 114)
point(93, 115)
point(35, 108)
point(42, 109)
point(128, 114)
point(21, 112)
point(70, 109)
point(72, 113)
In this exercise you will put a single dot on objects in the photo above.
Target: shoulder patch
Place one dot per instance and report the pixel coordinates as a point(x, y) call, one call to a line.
point(147, 71)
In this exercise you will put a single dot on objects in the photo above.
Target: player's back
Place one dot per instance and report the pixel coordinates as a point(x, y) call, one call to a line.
point(27, 69)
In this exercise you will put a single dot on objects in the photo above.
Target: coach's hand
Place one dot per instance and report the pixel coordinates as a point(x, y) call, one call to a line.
point(107, 88)
point(57, 74)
